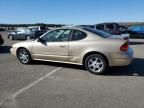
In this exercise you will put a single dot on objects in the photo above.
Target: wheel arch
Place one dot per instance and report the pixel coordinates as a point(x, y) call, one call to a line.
point(9, 36)
point(94, 52)
point(22, 48)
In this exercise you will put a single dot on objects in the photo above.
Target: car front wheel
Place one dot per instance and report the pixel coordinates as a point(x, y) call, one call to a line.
point(96, 64)
point(24, 56)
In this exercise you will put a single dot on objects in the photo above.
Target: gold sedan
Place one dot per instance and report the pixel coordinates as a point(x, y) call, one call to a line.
point(94, 49)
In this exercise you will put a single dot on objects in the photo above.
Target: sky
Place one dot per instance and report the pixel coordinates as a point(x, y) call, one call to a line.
point(70, 11)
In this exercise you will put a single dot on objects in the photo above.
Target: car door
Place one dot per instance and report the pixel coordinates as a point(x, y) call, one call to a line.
point(53, 46)
point(23, 34)
point(76, 45)
point(20, 34)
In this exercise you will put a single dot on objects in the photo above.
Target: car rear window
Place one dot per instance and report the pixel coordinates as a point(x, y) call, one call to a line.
point(78, 35)
point(98, 32)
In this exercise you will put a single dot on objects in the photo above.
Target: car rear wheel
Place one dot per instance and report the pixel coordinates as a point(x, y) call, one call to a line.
point(24, 56)
point(96, 64)
point(28, 37)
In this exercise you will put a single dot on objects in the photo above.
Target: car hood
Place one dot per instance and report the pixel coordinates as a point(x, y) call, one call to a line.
point(12, 33)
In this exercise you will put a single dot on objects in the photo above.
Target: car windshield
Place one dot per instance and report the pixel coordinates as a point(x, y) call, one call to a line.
point(19, 30)
point(98, 32)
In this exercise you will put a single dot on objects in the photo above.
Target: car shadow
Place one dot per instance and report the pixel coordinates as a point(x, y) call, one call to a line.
point(5, 49)
point(135, 69)
point(136, 43)
point(64, 65)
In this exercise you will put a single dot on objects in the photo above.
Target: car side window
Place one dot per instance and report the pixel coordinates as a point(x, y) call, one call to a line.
point(60, 35)
point(78, 35)
point(110, 27)
point(100, 27)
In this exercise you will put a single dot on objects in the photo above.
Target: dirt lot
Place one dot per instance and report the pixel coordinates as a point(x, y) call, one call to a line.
point(55, 85)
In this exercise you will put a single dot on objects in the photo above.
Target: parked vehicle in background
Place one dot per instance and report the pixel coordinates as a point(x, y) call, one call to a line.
point(21, 33)
point(112, 28)
point(116, 30)
point(136, 31)
point(38, 30)
point(83, 46)
point(1, 40)
point(2, 29)
point(123, 29)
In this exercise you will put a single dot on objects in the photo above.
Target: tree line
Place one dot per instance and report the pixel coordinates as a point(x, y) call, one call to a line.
point(27, 25)
point(60, 25)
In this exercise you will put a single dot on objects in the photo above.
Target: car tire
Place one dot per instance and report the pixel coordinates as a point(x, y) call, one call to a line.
point(24, 56)
point(96, 64)
point(10, 37)
point(28, 37)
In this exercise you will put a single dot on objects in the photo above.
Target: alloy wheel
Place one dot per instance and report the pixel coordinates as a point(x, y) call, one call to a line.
point(95, 64)
point(24, 56)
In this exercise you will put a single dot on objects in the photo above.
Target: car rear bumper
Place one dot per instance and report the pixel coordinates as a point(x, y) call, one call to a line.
point(122, 58)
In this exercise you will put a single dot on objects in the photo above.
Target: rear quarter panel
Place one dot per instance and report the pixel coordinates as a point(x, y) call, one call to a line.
point(77, 50)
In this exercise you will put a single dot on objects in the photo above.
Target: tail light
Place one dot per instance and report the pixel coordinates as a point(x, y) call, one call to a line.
point(125, 46)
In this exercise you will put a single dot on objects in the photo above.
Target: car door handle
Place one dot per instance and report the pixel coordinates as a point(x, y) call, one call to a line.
point(62, 46)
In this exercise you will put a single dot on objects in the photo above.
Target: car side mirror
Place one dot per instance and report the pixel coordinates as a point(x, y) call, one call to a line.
point(41, 40)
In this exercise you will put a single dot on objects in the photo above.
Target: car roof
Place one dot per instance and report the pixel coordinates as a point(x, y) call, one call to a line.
point(73, 27)
point(83, 29)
